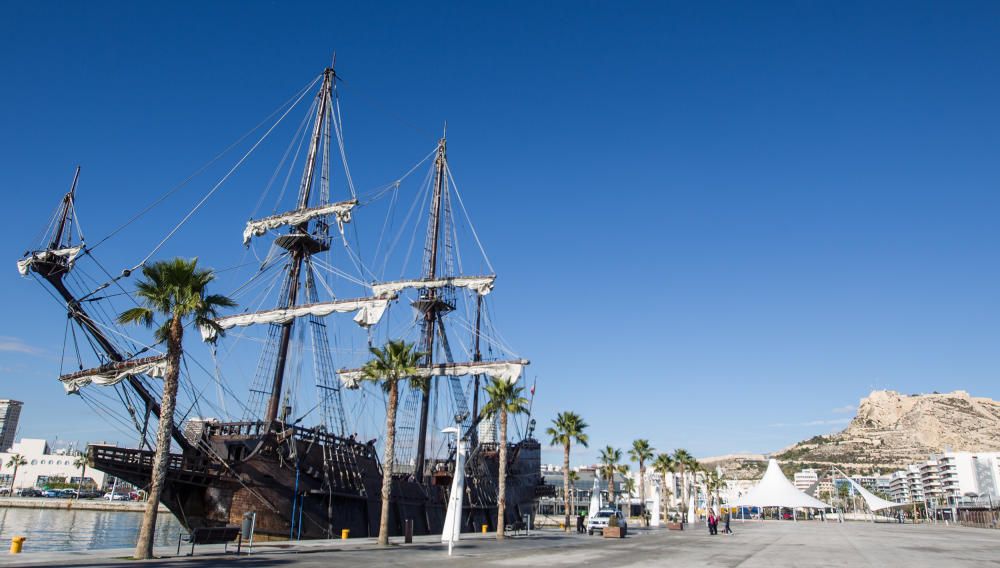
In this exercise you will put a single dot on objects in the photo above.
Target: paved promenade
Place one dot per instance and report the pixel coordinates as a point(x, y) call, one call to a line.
point(755, 544)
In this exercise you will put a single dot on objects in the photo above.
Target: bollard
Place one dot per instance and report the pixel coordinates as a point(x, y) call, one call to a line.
point(344, 533)
point(484, 529)
point(408, 531)
point(16, 543)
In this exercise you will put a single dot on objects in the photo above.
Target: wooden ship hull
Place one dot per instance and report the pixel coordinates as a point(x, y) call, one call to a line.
point(333, 483)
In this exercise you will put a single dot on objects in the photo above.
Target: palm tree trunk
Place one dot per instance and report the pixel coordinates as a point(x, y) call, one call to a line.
point(79, 486)
point(502, 492)
point(13, 478)
point(642, 493)
point(683, 496)
point(566, 481)
point(611, 487)
point(387, 463)
point(144, 545)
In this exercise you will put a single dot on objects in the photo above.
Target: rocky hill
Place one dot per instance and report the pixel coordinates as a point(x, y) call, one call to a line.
point(893, 429)
point(890, 430)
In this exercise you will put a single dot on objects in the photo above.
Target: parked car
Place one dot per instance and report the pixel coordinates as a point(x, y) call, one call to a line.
point(29, 492)
point(68, 493)
point(90, 494)
point(598, 522)
point(52, 493)
point(116, 496)
point(4, 490)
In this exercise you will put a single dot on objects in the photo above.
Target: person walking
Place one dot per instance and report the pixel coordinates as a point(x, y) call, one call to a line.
point(711, 523)
point(726, 518)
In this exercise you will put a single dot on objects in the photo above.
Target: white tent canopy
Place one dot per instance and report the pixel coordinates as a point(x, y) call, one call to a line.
point(875, 503)
point(774, 490)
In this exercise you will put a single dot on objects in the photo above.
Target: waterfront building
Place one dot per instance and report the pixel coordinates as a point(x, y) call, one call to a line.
point(44, 466)
point(10, 413)
point(949, 478)
point(806, 480)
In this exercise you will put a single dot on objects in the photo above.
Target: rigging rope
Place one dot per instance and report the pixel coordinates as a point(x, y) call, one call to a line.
point(148, 208)
point(217, 185)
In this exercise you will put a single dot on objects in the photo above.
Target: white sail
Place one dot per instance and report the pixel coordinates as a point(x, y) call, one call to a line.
point(453, 515)
point(369, 312)
point(341, 209)
point(70, 253)
point(154, 367)
point(595, 497)
point(654, 510)
point(508, 371)
point(481, 285)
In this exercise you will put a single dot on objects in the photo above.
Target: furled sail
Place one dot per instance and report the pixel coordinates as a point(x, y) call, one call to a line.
point(69, 253)
point(115, 373)
point(481, 285)
point(369, 312)
point(341, 209)
point(503, 370)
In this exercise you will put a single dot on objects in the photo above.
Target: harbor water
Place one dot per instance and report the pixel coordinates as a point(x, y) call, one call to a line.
point(67, 530)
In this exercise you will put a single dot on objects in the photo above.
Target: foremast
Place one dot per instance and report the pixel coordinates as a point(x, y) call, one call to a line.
point(53, 264)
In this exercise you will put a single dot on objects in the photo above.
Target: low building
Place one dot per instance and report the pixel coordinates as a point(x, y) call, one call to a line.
point(43, 466)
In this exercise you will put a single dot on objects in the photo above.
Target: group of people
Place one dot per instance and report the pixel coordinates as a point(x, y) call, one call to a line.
point(713, 523)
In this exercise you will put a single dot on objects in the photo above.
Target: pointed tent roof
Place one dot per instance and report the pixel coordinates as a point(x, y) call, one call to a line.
point(774, 490)
point(875, 503)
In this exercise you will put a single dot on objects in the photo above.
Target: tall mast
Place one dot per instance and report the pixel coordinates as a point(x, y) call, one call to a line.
point(477, 356)
point(300, 245)
point(430, 303)
point(67, 205)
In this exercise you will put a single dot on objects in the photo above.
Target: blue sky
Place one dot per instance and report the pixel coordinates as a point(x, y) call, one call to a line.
point(717, 226)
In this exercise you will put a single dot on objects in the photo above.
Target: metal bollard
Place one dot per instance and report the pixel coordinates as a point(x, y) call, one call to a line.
point(344, 533)
point(16, 543)
point(408, 531)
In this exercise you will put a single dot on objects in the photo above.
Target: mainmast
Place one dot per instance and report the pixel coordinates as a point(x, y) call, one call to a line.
point(430, 303)
point(300, 244)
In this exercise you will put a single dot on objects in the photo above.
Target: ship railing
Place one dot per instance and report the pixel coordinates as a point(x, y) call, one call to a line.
point(258, 428)
point(136, 459)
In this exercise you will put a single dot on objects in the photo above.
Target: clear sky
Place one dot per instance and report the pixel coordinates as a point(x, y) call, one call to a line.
point(717, 225)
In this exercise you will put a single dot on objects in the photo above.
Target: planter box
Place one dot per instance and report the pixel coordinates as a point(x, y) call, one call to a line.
point(675, 526)
point(613, 532)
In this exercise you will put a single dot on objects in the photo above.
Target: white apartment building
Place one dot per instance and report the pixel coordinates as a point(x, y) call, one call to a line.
point(806, 479)
point(42, 465)
point(949, 477)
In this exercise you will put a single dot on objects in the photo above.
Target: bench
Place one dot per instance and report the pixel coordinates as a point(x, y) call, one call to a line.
point(210, 535)
point(517, 527)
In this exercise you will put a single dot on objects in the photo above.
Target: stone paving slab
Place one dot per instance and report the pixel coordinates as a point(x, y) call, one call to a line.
point(754, 544)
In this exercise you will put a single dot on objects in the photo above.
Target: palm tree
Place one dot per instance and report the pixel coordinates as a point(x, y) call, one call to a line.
point(683, 460)
point(15, 461)
point(628, 487)
point(641, 453)
point(174, 289)
point(80, 462)
point(573, 477)
point(504, 400)
point(609, 466)
point(567, 428)
point(712, 484)
point(393, 363)
point(664, 464)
